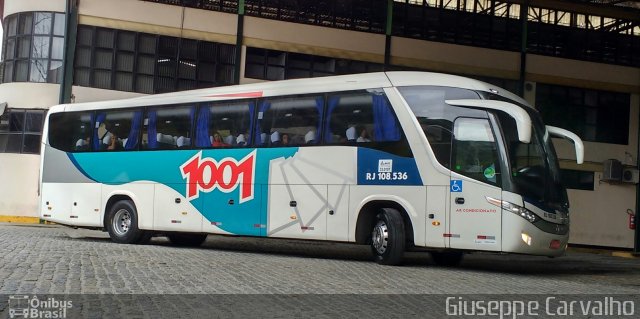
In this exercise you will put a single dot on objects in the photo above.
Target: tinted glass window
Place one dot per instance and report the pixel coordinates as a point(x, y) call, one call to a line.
point(436, 117)
point(168, 127)
point(70, 131)
point(117, 130)
point(224, 124)
point(361, 117)
point(289, 121)
point(475, 151)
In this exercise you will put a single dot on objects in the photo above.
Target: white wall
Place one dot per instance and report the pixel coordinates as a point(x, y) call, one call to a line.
point(600, 217)
point(29, 95)
point(15, 6)
point(19, 184)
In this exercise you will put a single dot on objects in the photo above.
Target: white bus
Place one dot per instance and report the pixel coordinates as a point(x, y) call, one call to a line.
point(396, 160)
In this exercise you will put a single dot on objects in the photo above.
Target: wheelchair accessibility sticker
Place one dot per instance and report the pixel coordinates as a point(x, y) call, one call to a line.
point(456, 186)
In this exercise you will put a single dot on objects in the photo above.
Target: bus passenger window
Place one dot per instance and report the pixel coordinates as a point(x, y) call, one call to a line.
point(117, 130)
point(289, 121)
point(71, 132)
point(168, 127)
point(360, 117)
point(224, 124)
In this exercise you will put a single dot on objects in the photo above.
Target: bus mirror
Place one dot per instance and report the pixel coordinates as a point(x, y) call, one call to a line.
point(577, 142)
point(522, 118)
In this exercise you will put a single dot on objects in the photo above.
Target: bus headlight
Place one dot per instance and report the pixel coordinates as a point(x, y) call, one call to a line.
point(513, 208)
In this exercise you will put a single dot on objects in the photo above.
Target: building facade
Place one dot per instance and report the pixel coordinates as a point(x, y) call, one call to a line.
point(577, 61)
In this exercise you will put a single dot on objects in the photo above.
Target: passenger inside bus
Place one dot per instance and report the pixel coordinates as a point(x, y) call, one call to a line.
point(364, 135)
point(285, 139)
point(217, 140)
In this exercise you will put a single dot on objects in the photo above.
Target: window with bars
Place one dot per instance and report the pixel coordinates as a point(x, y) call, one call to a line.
point(279, 65)
point(21, 131)
point(147, 63)
point(33, 47)
point(596, 116)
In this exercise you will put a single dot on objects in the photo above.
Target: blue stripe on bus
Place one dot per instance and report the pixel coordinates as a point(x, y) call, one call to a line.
point(241, 218)
point(381, 168)
point(116, 168)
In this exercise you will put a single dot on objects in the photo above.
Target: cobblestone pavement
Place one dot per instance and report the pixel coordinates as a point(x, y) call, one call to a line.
point(58, 260)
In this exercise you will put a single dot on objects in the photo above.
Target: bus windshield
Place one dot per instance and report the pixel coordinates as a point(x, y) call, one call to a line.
point(535, 173)
point(530, 169)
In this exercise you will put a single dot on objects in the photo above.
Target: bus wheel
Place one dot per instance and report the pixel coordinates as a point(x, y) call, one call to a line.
point(447, 258)
point(387, 237)
point(122, 224)
point(187, 240)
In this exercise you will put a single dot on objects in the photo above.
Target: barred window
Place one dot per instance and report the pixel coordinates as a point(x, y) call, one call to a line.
point(147, 63)
point(33, 47)
point(279, 65)
point(21, 131)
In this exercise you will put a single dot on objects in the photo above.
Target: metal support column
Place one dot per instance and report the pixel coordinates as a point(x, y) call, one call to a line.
point(70, 35)
point(387, 40)
point(524, 12)
point(239, 36)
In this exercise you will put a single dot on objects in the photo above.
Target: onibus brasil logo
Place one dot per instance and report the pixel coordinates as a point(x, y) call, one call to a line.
point(26, 307)
point(207, 175)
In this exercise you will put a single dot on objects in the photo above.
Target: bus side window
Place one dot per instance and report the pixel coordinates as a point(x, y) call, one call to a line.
point(71, 132)
point(168, 127)
point(289, 121)
point(224, 124)
point(475, 151)
point(117, 130)
point(360, 117)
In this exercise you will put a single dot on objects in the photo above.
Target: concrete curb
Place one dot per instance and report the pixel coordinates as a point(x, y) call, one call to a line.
point(23, 220)
point(603, 251)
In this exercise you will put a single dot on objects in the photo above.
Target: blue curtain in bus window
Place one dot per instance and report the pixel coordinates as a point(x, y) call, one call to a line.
point(202, 128)
point(152, 130)
point(333, 103)
point(320, 107)
point(192, 115)
point(252, 110)
point(385, 127)
point(132, 139)
point(97, 140)
point(262, 109)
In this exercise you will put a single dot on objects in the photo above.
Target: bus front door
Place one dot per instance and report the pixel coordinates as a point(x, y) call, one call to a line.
point(475, 224)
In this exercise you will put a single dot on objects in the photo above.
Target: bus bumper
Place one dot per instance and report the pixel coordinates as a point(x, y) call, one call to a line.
point(522, 237)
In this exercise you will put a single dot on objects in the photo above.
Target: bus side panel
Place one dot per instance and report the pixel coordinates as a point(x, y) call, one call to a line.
point(437, 201)
point(338, 219)
point(299, 199)
point(56, 202)
point(411, 198)
point(142, 195)
point(86, 208)
point(173, 212)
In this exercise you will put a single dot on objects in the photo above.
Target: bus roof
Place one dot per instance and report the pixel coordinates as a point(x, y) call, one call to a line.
point(298, 86)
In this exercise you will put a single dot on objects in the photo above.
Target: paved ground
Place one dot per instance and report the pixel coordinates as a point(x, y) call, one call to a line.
point(58, 260)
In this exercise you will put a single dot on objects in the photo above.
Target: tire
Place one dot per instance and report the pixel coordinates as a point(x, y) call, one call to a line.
point(447, 258)
point(187, 240)
point(122, 224)
point(388, 237)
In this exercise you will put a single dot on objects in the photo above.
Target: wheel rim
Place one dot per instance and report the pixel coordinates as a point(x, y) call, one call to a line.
point(380, 237)
point(122, 222)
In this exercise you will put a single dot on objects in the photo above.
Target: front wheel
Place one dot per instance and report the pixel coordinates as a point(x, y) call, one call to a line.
point(388, 238)
point(122, 224)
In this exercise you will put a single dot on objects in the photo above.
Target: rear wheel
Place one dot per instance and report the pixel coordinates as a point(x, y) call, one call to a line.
point(122, 224)
point(187, 240)
point(447, 258)
point(388, 237)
